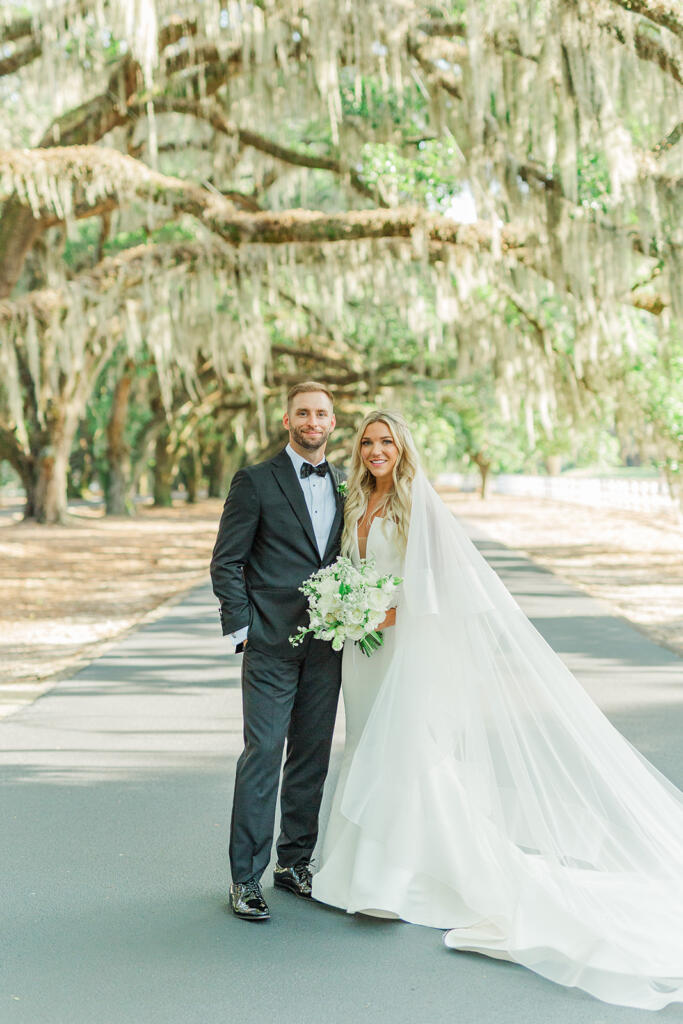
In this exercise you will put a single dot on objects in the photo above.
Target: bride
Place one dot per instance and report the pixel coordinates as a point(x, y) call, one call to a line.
point(481, 789)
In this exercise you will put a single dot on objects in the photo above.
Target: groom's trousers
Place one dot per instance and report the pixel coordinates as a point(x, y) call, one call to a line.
point(283, 700)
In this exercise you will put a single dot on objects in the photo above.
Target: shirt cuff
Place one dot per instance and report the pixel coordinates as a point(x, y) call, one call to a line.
point(239, 636)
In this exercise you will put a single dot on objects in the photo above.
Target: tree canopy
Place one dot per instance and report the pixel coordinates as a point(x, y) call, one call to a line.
point(203, 202)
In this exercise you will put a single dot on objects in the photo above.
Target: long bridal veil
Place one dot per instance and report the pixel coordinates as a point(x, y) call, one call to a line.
point(486, 768)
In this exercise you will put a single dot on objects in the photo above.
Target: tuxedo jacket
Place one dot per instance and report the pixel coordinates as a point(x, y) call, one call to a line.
point(264, 551)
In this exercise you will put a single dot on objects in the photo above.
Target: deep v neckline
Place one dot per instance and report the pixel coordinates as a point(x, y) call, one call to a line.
point(363, 558)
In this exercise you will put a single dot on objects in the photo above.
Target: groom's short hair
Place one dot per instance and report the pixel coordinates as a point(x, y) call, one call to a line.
point(305, 387)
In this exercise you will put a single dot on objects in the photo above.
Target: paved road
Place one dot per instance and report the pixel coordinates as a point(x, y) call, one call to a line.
point(115, 794)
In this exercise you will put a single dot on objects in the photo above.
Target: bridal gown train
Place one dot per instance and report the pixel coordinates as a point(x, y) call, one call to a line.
point(483, 792)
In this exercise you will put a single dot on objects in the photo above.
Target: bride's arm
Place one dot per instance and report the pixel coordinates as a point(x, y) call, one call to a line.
point(388, 620)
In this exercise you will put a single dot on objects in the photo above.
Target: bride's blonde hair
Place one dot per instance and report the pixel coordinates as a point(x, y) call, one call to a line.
point(361, 483)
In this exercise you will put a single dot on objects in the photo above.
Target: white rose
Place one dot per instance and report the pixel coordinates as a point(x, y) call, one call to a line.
point(374, 619)
point(328, 605)
point(328, 585)
point(377, 599)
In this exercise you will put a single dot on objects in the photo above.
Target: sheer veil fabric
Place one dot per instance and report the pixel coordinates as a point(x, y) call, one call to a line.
point(486, 767)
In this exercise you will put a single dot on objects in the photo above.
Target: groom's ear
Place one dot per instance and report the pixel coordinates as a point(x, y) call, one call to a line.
point(285, 421)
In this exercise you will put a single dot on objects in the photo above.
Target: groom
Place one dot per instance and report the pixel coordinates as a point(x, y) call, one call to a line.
point(282, 521)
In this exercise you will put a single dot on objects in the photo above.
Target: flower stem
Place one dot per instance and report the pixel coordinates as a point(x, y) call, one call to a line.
point(371, 642)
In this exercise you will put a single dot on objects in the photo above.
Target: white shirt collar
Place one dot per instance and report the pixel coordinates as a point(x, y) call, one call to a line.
point(298, 460)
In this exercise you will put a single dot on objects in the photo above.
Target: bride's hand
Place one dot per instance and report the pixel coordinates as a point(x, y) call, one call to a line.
point(388, 620)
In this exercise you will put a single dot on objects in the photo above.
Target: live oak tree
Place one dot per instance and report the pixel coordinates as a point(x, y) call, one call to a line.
point(243, 192)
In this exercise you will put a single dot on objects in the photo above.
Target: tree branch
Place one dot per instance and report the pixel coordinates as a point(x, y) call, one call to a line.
point(506, 39)
point(124, 270)
point(96, 117)
point(325, 357)
point(501, 40)
point(175, 29)
point(46, 181)
point(20, 57)
point(18, 28)
point(214, 116)
point(656, 11)
point(668, 142)
point(646, 47)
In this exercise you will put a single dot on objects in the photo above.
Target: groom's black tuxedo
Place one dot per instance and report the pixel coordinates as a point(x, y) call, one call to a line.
point(265, 549)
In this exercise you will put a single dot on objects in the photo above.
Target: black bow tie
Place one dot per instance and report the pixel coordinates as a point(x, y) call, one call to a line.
point(307, 469)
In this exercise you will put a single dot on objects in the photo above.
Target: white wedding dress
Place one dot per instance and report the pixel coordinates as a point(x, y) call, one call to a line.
point(483, 792)
point(354, 872)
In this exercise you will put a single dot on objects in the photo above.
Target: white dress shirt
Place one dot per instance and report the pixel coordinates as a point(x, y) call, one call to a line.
point(321, 504)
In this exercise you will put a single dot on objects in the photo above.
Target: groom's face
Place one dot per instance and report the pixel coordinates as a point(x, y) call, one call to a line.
point(310, 421)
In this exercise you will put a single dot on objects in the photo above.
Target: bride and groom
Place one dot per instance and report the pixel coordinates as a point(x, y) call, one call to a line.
point(481, 790)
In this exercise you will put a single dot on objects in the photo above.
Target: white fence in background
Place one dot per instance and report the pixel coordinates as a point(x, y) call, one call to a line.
point(650, 494)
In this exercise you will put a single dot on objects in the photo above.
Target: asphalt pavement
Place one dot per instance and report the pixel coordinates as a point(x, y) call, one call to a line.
point(116, 789)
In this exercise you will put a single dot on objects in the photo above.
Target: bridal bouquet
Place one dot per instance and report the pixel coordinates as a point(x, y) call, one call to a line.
point(347, 603)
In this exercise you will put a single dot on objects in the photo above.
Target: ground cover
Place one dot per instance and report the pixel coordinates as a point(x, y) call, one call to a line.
point(69, 590)
point(631, 560)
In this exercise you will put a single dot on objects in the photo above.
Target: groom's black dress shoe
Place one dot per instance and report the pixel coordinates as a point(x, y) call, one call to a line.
point(247, 902)
point(297, 879)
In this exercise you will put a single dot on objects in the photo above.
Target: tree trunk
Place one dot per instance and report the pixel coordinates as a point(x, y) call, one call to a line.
point(674, 479)
point(48, 498)
point(44, 468)
point(164, 465)
point(553, 464)
point(28, 483)
point(118, 498)
point(484, 470)
point(217, 470)
point(192, 471)
point(22, 463)
point(484, 467)
point(18, 232)
point(119, 477)
point(24, 466)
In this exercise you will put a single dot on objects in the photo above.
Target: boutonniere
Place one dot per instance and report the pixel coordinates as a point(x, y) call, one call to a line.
point(342, 488)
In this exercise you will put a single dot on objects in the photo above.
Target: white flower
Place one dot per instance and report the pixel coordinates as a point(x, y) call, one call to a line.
point(345, 602)
point(374, 619)
point(378, 600)
point(328, 585)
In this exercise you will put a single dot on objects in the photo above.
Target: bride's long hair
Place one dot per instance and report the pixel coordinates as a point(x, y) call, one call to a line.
point(361, 483)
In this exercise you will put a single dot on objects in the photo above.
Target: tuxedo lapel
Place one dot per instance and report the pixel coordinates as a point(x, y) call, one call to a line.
point(285, 474)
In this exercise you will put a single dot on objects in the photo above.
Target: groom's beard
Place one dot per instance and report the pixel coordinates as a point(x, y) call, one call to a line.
point(309, 442)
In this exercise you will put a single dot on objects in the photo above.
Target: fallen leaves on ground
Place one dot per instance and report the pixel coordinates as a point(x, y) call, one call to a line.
point(67, 590)
point(632, 561)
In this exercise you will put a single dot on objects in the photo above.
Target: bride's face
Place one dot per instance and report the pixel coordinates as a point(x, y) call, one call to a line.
point(378, 450)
